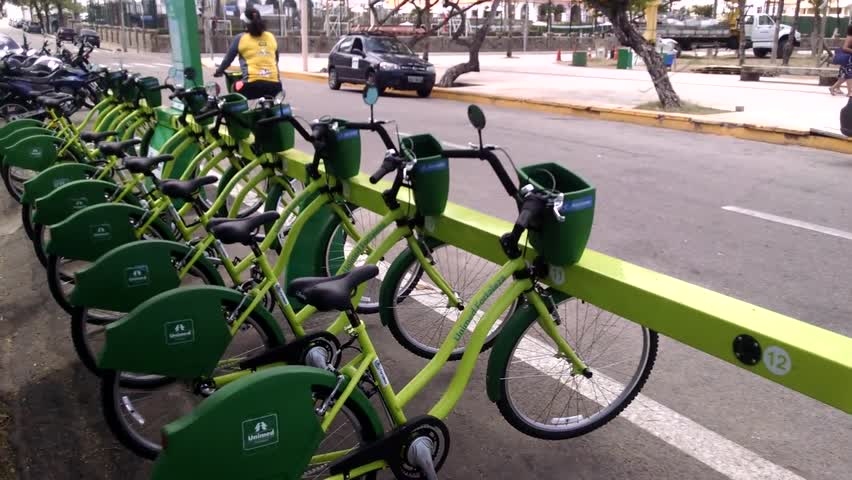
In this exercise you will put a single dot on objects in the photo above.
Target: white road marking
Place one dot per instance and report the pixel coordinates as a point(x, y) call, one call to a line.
point(166, 65)
point(717, 452)
point(790, 221)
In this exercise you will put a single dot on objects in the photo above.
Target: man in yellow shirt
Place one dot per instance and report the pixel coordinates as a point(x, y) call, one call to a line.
point(258, 52)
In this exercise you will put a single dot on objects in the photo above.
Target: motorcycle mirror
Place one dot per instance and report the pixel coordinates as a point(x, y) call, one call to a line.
point(476, 117)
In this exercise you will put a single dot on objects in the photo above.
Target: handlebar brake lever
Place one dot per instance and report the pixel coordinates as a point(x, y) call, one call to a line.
point(557, 207)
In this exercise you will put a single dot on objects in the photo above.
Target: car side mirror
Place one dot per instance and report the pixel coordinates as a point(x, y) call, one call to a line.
point(358, 52)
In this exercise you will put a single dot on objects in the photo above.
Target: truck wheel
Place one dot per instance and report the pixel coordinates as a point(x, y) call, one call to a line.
point(761, 52)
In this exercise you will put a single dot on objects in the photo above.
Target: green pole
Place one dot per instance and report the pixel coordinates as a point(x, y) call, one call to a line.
point(183, 34)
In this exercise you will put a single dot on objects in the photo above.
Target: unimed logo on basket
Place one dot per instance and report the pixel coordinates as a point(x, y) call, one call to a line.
point(180, 331)
point(260, 432)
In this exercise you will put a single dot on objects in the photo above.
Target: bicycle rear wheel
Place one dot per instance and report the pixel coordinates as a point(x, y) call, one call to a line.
point(542, 396)
point(88, 330)
point(137, 415)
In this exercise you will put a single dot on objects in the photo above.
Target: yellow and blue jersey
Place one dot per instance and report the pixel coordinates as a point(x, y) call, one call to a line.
point(258, 57)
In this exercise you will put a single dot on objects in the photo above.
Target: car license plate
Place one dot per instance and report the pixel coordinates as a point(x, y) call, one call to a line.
point(415, 79)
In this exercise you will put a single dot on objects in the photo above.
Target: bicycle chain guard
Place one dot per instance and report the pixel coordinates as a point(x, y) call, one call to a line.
point(393, 448)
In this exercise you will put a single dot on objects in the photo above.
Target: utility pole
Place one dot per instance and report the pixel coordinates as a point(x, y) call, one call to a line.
point(208, 15)
point(525, 15)
point(509, 18)
point(123, 26)
point(305, 27)
point(281, 27)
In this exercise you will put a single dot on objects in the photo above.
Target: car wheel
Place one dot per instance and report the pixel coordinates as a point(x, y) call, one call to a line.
point(372, 81)
point(424, 92)
point(333, 81)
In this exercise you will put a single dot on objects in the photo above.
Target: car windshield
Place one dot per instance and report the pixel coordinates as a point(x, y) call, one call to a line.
point(7, 43)
point(387, 45)
point(88, 32)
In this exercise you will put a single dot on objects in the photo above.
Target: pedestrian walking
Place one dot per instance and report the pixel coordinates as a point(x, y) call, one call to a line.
point(843, 57)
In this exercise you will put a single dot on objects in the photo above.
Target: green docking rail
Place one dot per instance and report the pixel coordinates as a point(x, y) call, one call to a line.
point(803, 357)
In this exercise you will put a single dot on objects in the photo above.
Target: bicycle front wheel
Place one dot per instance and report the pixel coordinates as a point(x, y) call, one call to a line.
point(542, 396)
point(420, 314)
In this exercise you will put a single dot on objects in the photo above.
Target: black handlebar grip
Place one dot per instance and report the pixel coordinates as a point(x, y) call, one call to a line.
point(266, 121)
point(383, 170)
point(204, 116)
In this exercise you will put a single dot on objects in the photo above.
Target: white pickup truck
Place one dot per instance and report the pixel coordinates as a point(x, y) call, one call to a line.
point(759, 31)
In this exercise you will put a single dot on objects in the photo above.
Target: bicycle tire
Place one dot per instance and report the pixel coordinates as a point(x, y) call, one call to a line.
point(27, 219)
point(112, 399)
point(396, 281)
point(576, 426)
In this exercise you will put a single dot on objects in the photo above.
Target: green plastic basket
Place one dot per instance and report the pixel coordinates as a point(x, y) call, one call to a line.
point(562, 243)
point(274, 137)
point(238, 117)
point(195, 102)
point(150, 87)
point(114, 81)
point(430, 177)
point(343, 152)
point(231, 79)
point(129, 92)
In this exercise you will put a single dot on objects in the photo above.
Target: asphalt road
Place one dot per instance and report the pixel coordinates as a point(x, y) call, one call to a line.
point(660, 199)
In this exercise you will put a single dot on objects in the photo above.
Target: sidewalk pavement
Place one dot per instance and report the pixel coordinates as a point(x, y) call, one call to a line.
point(795, 103)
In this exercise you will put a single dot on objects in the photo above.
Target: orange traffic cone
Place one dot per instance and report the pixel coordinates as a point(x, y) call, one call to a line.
point(559, 55)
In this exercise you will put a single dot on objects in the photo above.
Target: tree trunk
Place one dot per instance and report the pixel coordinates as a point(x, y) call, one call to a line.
point(59, 11)
point(627, 35)
point(474, 44)
point(817, 33)
point(741, 37)
point(428, 27)
point(778, 17)
point(509, 22)
point(789, 47)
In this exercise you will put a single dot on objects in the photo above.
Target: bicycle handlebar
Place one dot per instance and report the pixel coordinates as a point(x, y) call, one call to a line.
point(389, 164)
point(377, 127)
point(204, 116)
point(487, 154)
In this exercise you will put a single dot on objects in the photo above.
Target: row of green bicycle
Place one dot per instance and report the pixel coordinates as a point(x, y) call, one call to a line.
point(178, 271)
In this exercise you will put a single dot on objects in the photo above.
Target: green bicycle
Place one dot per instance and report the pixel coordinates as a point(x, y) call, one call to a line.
point(135, 414)
point(307, 422)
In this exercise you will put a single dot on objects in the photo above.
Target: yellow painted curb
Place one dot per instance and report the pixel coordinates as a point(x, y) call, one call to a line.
point(673, 121)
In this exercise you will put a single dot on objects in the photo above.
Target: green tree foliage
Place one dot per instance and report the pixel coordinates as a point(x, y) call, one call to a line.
point(702, 10)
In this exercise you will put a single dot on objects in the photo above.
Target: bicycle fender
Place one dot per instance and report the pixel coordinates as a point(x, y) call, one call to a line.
point(261, 426)
point(511, 334)
point(69, 198)
point(181, 333)
point(54, 177)
point(15, 125)
point(95, 230)
point(127, 275)
point(35, 152)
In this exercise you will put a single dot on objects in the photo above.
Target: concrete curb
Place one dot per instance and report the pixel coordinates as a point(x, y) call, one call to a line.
point(672, 121)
